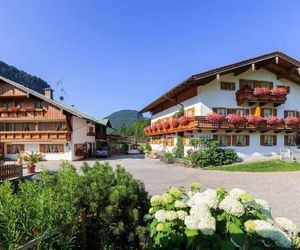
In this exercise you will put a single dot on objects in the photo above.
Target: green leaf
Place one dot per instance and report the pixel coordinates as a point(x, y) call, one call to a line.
point(191, 233)
point(236, 233)
point(227, 245)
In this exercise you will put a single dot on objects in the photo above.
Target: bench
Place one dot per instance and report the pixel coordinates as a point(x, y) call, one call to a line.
point(11, 171)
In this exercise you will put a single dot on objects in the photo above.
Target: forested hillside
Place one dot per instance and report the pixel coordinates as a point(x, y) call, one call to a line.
point(22, 77)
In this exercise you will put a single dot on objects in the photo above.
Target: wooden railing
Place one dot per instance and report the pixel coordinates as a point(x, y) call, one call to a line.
point(16, 136)
point(247, 96)
point(201, 123)
point(22, 112)
point(11, 171)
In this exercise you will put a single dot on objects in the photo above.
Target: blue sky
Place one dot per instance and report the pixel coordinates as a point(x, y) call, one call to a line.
point(114, 55)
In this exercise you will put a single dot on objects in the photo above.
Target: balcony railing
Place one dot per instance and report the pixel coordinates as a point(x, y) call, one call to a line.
point(27, 113)
point(201, 123)
point(22, 136)
point(246, 96)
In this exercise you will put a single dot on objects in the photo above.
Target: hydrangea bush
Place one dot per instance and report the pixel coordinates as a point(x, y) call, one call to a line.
point(217, 219)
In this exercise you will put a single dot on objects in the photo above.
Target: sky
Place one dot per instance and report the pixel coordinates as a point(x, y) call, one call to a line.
point(112, 55)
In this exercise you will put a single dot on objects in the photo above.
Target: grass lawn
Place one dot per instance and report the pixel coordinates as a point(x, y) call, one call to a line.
point(261, 166)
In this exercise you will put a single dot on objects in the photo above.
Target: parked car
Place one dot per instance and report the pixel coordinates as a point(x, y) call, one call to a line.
point(103, 152)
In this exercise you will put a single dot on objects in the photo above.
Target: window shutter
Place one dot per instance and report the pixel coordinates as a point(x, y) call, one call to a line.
point(215, 137)
point(247, 140)
point(275, 112)
point(286, 140)
point(42, 148)
point(234, 140)
point(285, 114)
point(274, 140)
point(22, 148)
point(9, 148)
point(262, 140)
point(228, 140)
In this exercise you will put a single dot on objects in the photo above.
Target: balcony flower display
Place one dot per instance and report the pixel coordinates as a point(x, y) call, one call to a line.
point(261, 91)
point(166, 125)
point(235, 119)
point(159, 126)
point(215, 117)
point(274, 120)
point(291, 121)
point(183, 120)
point(174, 123)
point(278, 92)
point(153, 127)
point(254, 119)
point(147, 129)
point(27, 109)
point(13, 109)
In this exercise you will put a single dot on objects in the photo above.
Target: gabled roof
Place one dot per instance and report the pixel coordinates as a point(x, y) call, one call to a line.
point(67, 108)
point(276, 62)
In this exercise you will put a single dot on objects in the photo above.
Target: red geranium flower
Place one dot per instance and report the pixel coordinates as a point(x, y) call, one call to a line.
point(274, 120)
point(253, 119)
point(261, 91)
point(215, 117)
point(154, 127)
point(183, 120)
point(159, 126)
point(278, 91)
point(166, 125)
point(174, 123)
point(234, 118)
point(291, 120)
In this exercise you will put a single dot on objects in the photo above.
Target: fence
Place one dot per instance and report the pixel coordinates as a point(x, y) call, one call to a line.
point(10, 171)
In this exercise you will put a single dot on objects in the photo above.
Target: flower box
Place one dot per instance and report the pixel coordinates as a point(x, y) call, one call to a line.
point(274, 120)
point(174, 123)
point(235, 119)
point(253, 119)
point(13, 109)
point(154, 127)
point(261, 91)
point(215, 118)
point(291, 121)
point(166, 125)
point(279, 92)
point(159, 126)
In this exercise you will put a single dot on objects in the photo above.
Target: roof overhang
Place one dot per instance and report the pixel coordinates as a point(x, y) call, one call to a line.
point(276, 62)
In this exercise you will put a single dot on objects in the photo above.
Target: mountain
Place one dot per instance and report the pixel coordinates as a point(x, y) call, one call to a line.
point(126, 117)
point(22, 77)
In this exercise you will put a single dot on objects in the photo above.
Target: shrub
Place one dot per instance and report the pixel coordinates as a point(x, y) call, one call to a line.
point(217, 219)
point(148, 147)
point(210, 154)
point(179, 149)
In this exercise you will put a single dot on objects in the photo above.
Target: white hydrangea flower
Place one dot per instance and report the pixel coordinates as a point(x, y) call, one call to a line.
point(208, 197)
point(207, 225)
point(200, 211)
point(171, 215)
point(181, 214)
point(161, 215)
point(232, 206)
point(266, 230)
point(262, 206)
point(180, 204)
point(286, 225)
point(191, 222)
point(236, 192)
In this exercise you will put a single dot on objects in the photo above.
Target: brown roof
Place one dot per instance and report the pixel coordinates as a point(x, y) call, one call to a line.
point(286, 67)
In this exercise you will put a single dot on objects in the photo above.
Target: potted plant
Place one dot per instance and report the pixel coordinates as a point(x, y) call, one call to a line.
point(174, 123)
point(274, 120)
point(166, 125)
point(279, 92)
point(183, 120)
point(253, 119)
point(215, 117)
point(32, 159)
point(235, 119)
point(261, 91)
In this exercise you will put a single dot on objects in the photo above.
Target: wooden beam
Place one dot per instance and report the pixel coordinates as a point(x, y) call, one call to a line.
point(241, 70)
point(286, 73)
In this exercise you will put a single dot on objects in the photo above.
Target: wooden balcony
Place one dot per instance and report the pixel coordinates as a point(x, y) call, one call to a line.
point(34, 136)
point(246, 96)
point(200, 123)
point(22, 113)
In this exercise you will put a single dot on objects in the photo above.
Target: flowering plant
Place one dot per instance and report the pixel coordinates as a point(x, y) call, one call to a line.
point(291, 121)
point(183, 120)
point(278, 91)
point(153, 127)
point(216, 218)
point(234, 118)
point(13, 109)
point(159, 126)
point(274, 120)
point(253, 119)
point(261, 91)
point(215, 117)
point(174, 123)
point(147, 129)
point(166, 125)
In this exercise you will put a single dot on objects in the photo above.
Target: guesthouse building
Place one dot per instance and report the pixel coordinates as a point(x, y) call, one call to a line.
point(251, 106)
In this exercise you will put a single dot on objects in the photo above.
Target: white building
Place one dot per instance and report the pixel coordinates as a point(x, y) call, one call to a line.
point(230, 90)
point(32, 122)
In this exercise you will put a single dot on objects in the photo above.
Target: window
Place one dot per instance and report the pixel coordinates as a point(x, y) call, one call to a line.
point(51, 148)
point(190, 112)
point(19, 105)
point(267, 112)
point(291, 113)
point(288, 89)
point(240, 140)
point(169, 140)
point(290, 140)
point(238, 111)
point(59, 126)
point(228, 86)
point(221, 111)
point(39, 105)
point(13, 127)
point(268, 140)
point(46, 126)
point(26, 127)
point(15, 148)
point(224, 140)
point(250, 84)
point(5, 105)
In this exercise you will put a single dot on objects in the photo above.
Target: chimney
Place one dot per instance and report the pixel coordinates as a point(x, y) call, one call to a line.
point(48, 92)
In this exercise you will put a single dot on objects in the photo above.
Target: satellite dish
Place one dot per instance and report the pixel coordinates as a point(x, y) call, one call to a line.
point(61, 98)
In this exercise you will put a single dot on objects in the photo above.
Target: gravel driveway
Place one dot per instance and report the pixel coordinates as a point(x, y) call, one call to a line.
point(281, 190)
